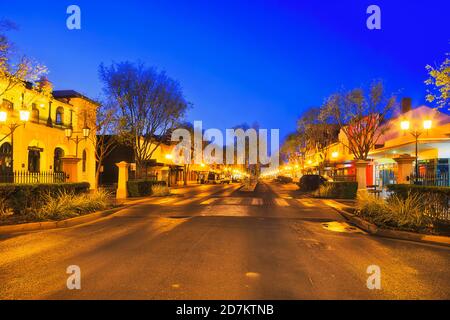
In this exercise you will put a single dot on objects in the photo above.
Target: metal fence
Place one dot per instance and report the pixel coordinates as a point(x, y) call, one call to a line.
point(432, 179)
point(23, 177)
point(348, 178)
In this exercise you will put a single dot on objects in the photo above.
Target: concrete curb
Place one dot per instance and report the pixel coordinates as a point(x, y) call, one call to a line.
point(47, 225)
point(394, 234)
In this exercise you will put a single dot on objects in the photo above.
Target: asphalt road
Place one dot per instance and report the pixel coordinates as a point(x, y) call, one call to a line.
point(215, 242)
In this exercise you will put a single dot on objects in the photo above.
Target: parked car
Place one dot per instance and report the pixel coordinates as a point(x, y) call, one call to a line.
point(216, 178)
point(284, 179)
point(311, 182)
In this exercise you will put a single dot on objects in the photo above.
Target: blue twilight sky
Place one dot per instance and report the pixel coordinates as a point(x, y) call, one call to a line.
point(240, 61)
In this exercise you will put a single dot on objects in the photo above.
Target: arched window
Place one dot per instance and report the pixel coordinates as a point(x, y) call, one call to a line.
point(6, 163)
point(59, 116)
point(57, 162)
point(35, 114)
point(84, 163)
point(7, 105)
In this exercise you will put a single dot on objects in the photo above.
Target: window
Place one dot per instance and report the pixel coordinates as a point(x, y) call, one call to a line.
point(84, 160)
point(35, 114)
point(6, 163)
point(57, 160)
point(59, 116)
point(7, 105)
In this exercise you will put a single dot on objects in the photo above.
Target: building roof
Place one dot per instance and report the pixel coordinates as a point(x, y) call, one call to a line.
point(67, 94)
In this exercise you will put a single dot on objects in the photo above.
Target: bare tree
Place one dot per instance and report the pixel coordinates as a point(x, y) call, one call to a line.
point(149, 105)
point(291, 150)
point(15, 69)
point(360, 116)
point(316, 133)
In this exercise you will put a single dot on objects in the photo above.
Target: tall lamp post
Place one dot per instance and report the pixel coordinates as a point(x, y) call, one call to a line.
point(405, 126)
point(69, 132)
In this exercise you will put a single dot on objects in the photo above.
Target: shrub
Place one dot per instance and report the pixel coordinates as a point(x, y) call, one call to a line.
point(142, 188)
point(435, 199)
point(402, 190)
point(5, 210)
point(23, 197)
point(160, 190)
point(402, 213)
point(311, 182)
point(67, 204)
point(337, 190)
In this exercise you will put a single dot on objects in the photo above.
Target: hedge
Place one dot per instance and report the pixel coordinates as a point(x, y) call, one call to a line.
point(142, 188)
point(402, 190)
point(20, 197)
point(338, 190)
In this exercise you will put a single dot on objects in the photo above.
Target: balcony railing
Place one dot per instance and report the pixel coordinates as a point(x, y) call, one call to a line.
point(23, 177)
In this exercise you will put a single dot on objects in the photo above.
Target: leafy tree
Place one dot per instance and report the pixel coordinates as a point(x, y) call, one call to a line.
point(149, 104)
point(361, 117)
point(439, 84)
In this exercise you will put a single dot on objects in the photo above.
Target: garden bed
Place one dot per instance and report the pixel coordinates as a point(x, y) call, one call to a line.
point(36, 203)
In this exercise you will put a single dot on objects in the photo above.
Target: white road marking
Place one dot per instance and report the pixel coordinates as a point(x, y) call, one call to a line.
point(232, 201)
point(257, 202)
point(305, 203)
point(209, 201)
point(281, 202)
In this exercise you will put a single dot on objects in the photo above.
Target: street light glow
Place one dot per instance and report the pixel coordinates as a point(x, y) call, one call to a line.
point(427, 124)
point(3, 116)
point(335, 154)
point(169, 156)
point(404, 125)
point(24, 115)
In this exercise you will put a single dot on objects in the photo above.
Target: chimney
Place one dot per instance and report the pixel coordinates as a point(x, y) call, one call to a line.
point(406, 105)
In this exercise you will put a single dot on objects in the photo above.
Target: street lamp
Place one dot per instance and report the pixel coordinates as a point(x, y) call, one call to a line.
point(405, 126)
point(24, 116)
point(3, 116)
point(68, 132)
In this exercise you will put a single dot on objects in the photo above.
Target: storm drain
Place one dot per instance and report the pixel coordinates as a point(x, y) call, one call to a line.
point(336, 226)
